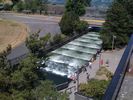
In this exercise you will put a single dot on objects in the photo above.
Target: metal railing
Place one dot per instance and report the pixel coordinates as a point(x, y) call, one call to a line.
point(117, 80)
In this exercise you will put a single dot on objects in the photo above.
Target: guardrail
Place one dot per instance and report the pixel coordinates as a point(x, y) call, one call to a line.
point(117, 80)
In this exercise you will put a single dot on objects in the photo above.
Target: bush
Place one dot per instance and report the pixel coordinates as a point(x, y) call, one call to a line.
point(81, 26)
point(19, 6)
point(7, 6)
point(38, 45)
point(94, 88)
point(67, 23)
point(57, 38)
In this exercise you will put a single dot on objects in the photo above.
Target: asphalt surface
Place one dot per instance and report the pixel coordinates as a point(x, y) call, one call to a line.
point(47, 24)
point(34, 24)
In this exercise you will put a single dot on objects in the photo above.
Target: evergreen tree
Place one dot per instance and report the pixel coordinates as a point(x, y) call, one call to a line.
point(117, 23)
point(5, 71)
point(67, 23)
point(25, 81)
point(70, 22)
point(128, 4)
point(78, 6)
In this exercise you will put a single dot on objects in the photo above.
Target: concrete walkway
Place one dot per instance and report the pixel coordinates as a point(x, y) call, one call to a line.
point(113, 58)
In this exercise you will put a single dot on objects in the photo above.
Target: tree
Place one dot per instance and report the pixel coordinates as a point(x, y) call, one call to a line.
point(81, 26)
point(70, 22)
point(67, 23)
point(38, 45)
point(117, 23)
point(78, 6)
point(15, 1)
point(42, 5)
point(88, 2)
point(5, 70)
point(25, 81)
point(28, 84)
point(19, 6)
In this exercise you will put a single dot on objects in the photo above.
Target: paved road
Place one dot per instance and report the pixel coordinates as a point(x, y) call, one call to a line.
point(34, 23)
point(47, 24)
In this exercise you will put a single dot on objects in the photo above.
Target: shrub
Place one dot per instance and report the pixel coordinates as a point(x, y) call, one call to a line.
point(19, 6)
point(81, 26)
point(94, 88)
point(7, 6)
point(57, 38)
point(67, 23)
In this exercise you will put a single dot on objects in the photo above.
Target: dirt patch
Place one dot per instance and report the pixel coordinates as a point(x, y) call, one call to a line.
point(12, 33)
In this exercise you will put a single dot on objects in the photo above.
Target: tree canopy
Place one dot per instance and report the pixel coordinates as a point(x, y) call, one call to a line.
point(78, 6)
point(67, 23)
point(118, 23)
point(25, 81)
point(70, 22)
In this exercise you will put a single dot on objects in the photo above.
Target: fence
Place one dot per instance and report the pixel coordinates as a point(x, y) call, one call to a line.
point(115, 85)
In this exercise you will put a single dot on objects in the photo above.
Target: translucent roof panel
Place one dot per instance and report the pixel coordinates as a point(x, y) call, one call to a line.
point(66, 60)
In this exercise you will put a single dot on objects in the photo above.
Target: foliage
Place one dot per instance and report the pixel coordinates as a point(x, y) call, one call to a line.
point(94, 88)
point(129, 6)
point(67, 23)
point(78, 6)
point(57, 38)
point(88, 2)
point(81, 26)
point(70, 22)
point(15, 1)
point(5, 71)
point(19, 6)
point(23, 82)
point(32, 5)
point(42, 5)
point(117, 23)
point(38, 45)
point(7, 6)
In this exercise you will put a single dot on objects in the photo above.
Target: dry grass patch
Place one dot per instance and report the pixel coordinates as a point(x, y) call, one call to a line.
point(103, 74)
point(11, 33)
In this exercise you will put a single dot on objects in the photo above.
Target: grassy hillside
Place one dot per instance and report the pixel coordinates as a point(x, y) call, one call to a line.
point(11, 33)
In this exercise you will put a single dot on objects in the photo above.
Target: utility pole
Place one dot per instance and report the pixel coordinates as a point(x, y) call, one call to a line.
point(114, 37)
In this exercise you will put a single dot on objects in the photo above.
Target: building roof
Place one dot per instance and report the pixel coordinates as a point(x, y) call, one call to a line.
point(66, 60)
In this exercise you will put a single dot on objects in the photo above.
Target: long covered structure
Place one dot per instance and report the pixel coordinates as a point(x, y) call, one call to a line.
point(68, 59)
